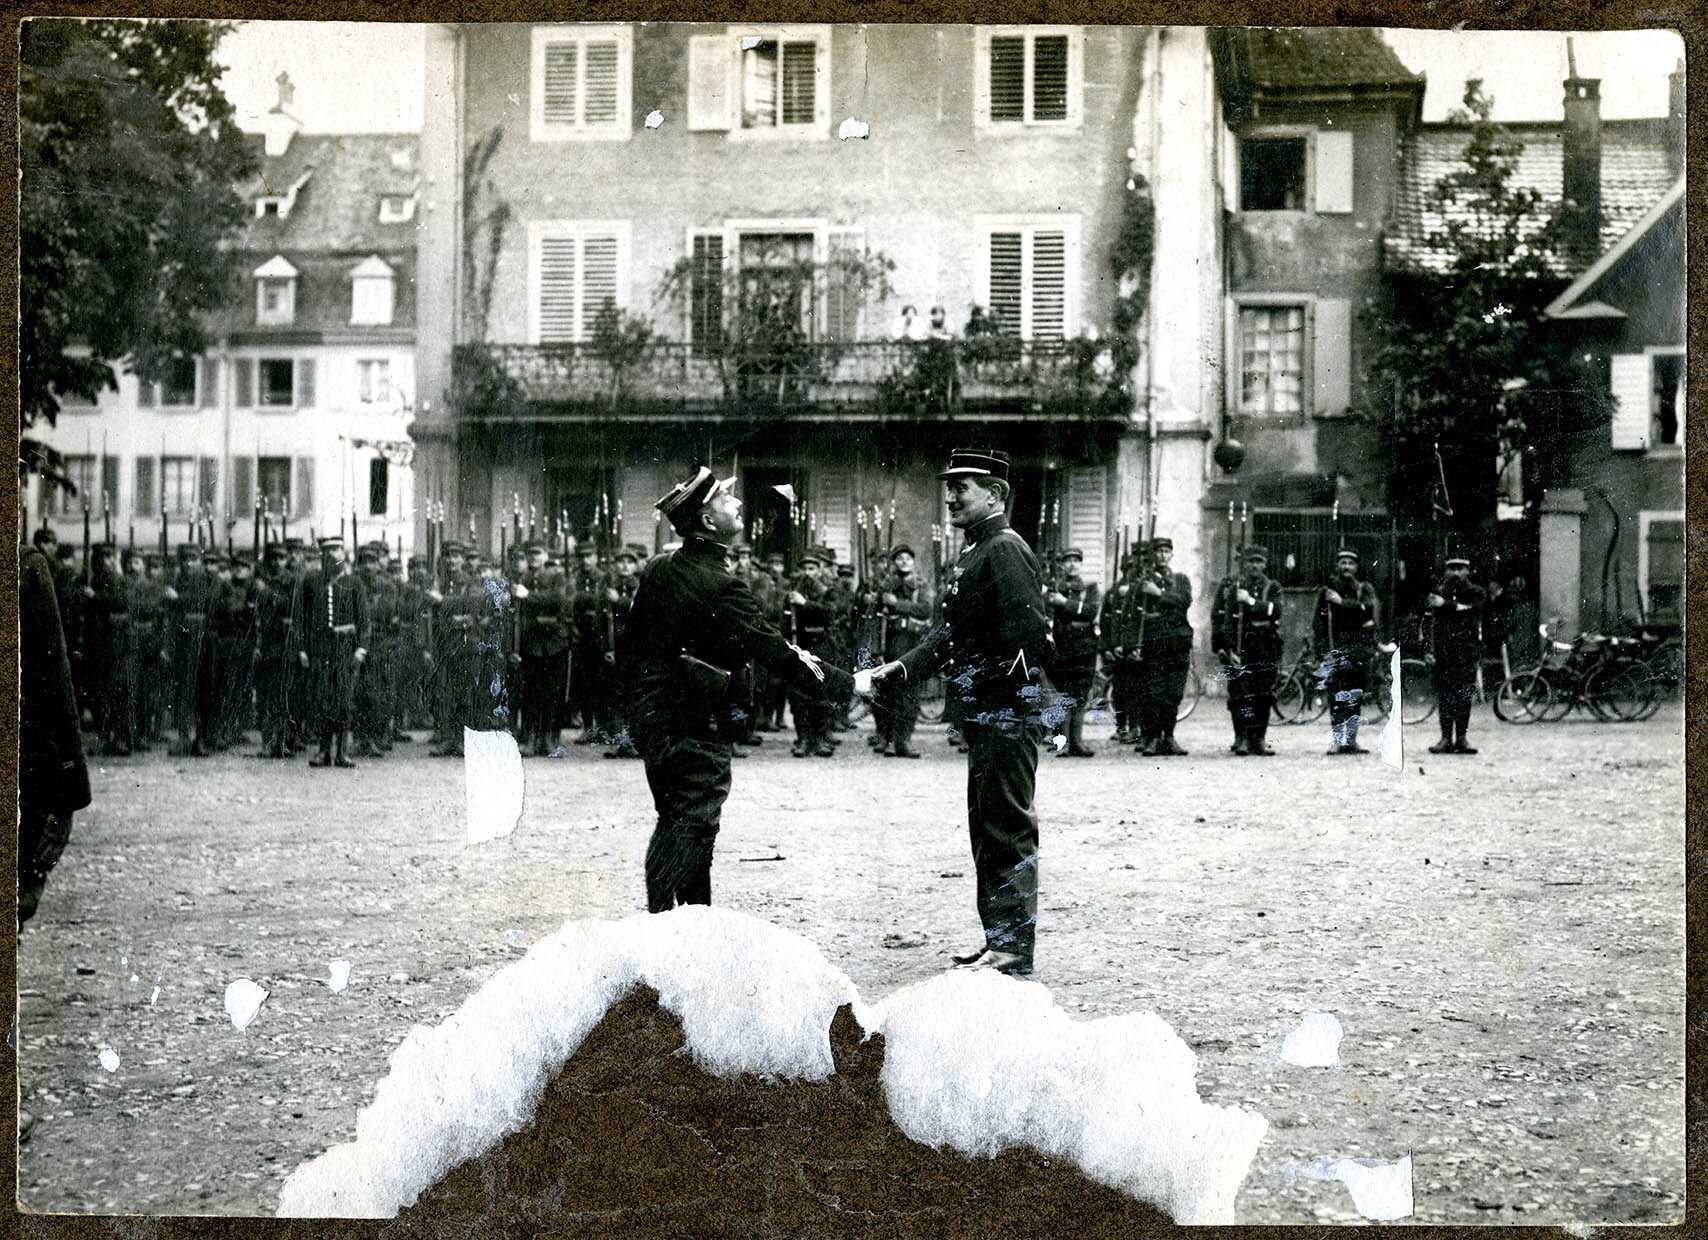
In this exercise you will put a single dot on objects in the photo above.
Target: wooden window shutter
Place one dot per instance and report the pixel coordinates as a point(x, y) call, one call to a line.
point(799, 84)
point(147, 395)
point(599, 62)
point(710, 59)
point(1049, 284)
point(599, 280)
point(305, 382)
point(1088, 518)
point(1005, 85)
point(844, 296)
point(110, 481)
point(244, 368)
point(1049, 78)
point(1331, 366)
point(209, 473)
point(834, 505)
point(302, 502)
point(210, 392)
point(559, 92)
point(243, 486)
point(143, 501)
point(706, 295)
point(1333, 172)
point(1631, 398)
point(557, 289)
point(1006, 260)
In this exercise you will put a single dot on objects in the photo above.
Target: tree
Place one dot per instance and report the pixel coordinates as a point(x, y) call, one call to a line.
point(131, 158)
point(1458, 348)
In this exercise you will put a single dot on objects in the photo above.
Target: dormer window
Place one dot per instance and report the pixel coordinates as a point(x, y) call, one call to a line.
point(275, 293)
point(371, 293)
point(269, 207)
point(397, 208)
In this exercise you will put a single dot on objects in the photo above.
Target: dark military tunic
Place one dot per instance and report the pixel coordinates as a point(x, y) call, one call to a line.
point(1164, 645)
point(1456, 648)
point(989, 647)
point(1073, 621)
point(333, 624)
point(1248, 638)
point(274, 659)
point(546, 633)
point(1347, 632)
point(189, 649)
point(902, 626)
point(689, 604)
point(111, 654)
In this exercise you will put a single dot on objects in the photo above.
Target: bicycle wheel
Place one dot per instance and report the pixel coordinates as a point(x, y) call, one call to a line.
point(1194, 691)
point(931, 701)
point(1289, 699)
point(1523, 697)
point(1620, 691)
point(1666, 672)
point(1378, 697)
point(1417, 691)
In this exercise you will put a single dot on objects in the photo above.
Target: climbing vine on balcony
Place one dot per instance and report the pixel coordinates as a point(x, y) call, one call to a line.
point(1131, 258)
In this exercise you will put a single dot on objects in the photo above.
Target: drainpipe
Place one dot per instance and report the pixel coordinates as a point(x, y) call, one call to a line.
point(1153, 465)
point(225, 384)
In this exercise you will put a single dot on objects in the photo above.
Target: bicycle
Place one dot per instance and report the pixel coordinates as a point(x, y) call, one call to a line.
point(1100, 701)
point(1301, 692)
point(1600, 674)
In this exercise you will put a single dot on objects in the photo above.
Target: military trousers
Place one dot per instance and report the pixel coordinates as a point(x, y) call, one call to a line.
point(1455, 689)
point(1251, 696)
point(1162, 684)
point(1345, 674)
point(690, 781)
point(1002, 775)
point(895, 709)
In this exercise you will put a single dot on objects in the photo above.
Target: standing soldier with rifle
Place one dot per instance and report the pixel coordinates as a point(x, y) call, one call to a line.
point(1456, 606)
point(546, 637)
point(907, 604)
point(147, 606)
point(1074, 604)
point(1245, 630)
point(810, 621)
point(1163, 649)
point(189, 653)
point(274, 595)
point(614, 607)
point(111, 652)
point(1345, 627)
point(234, 616)
point(587, 659)
point(1119, 625)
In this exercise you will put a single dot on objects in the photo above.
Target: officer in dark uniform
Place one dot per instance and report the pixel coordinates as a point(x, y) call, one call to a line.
point(1074, 604)
point(452, 621)
point(547, 631)
point(1118, 625)
point(111, 650)
point(298, 696)
point(906, 605)
point(332, 646)
point(614, 607)
point(1456, 607)
point(234, 627)
point(810, 621)
point(147, 604)
point(991, 644)
point(1245, 631)
point(411, 674)
point(692, 628)
point(1163, 644)
point(587, 660)
point(274, 597)
point(774, 601)
point(190, 653)
point(1345, 626)
point(372, 715)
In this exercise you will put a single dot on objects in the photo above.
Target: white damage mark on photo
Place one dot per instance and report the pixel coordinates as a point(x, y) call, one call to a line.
point(339, 975)
point(492, 766)
point(1393, 735)
point(1381, 1191)
point(1315, 1043)
point(972, 1060)
point(109, 1059)
point(853, 128)
point(243, 1000)
point(654, 119)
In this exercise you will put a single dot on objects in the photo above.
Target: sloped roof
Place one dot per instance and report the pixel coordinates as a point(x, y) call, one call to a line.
point(1328, 56)
point(1575, 302)
point(1635, 174)
point(338, 206)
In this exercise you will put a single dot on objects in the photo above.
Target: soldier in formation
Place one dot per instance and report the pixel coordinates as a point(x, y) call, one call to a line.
point(1455, 608)
point(1074, 604)
point(1345, 628)
point(1245, 630)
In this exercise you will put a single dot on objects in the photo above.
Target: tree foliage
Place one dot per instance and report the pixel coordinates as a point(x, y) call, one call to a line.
point(1458, 349)
point(130, 158)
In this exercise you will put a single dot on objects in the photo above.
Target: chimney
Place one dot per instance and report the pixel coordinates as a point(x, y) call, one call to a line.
point(1581, 159)
point(1675, 120)
point(279, 126)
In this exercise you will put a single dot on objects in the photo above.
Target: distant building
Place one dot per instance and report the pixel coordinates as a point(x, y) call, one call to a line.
point(305, 399)
point(573, 168)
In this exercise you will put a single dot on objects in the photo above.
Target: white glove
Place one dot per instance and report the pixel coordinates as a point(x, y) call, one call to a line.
point(813, 665)
point(863, 682)
point(519, 590)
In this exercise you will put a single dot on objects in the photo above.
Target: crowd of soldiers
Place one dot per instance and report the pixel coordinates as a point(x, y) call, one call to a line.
point(345, 661)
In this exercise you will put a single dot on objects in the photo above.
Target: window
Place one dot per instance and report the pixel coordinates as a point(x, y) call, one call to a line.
point(397, 208)
point(1272, 359)
point(1272, 174)
point(81, 470)
point(143, 498)
point(275, 293)
point(274, 475)
point(803, 276)
point(1032, 277)
point(371, 293)
point(379, 483)
point(581, 82)
point(177, 484)
point(1028, 76)
point(373, 381)
point(278, 381)
point(706, 295)
point(265, 207)
point(178, 386)
point(1666, 401)
point(575, 267)
point(1660, 567)
point(761, 81)
point(779, 82)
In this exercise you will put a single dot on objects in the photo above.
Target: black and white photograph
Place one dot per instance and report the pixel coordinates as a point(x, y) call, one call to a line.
point(724, 628)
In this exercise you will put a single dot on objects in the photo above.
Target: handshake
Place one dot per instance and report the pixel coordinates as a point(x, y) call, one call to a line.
point(865, 681)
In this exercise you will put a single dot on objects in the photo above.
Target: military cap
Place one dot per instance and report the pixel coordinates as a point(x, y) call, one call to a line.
point(1458, 561)
point(587, 549)
point(242, 555)
point(898, 549)
point(328, 541)
point(976, 463)
point(532, 546)
point(776, 557)
point(1072, 553)
point(417, 561)
point(740, 548)
point(1159, 542)
point(452, 547)
point(627, 553)
point(293, 543)
point(844, 570)
point(274, 551)
point(811, 556)
point(367, 555)
point(153, 559)
point(104, 548)
point(1255, 552)
point(213, 557)
point(189, 551)
point(1346, 553)
point(685, 500)
point(639, 551)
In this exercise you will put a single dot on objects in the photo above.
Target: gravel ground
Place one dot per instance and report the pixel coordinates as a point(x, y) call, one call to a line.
point(1500, 936)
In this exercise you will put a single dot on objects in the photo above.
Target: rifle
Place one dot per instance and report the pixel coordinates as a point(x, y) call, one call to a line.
point(1334, 529)
point(1144, 608)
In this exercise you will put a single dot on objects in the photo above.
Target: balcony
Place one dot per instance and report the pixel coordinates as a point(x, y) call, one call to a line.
point(890, 380)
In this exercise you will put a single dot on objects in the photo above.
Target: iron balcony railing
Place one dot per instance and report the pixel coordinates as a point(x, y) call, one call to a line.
point(898, 378)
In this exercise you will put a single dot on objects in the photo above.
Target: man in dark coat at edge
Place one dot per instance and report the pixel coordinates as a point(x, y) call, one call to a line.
point(992, 645)
point(692, 628)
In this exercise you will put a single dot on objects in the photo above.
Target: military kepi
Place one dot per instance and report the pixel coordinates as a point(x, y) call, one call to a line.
point(976, 463)
point(685, 500)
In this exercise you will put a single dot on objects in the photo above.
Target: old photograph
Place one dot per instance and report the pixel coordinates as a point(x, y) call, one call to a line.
point(663, 628)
